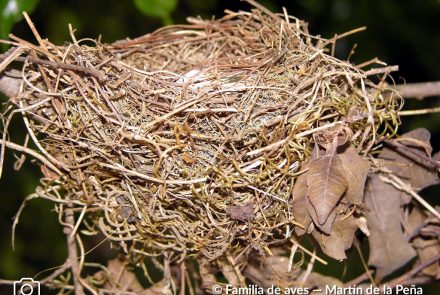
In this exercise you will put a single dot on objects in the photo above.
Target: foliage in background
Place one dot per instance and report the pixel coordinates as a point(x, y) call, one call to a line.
point(157, 8)
point(11, 13)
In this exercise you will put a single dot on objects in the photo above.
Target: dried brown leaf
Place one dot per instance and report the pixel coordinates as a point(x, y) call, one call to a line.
point(426, 247)
point(327, 226)
point(340, 238)
point(432, 229)
point(417, 138)
point(242, 212)
point(333, 137)
point(326, 183)
point(416, 171)
point(389, 249)
point(414, 221)
point(299, 199)
point(356, 168)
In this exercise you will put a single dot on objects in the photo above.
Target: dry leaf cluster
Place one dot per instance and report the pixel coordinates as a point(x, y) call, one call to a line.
point(228, 140)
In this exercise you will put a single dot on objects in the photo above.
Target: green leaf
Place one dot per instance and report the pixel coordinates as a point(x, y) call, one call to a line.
point(157, 8)
point(11, 13)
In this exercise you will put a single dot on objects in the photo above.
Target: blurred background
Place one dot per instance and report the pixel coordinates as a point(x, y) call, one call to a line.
point(399, 32)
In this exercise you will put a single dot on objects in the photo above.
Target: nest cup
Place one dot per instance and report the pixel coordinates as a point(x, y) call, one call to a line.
point(189, 140)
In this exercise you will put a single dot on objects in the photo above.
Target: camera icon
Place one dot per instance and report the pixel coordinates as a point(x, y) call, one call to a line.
point(26, 286)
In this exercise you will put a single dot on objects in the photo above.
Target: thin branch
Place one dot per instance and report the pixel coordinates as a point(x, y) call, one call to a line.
point(313, 255)
point(384, 70)
point(419, 112)
point(419, 90)
point(9, 56)
point(411, 154)
point(403, 278)
point(368, 272)
point(72, 250)
point(65, 66)
point(400, 185)
point(55, 274)
point(32, 153)
point(360, 279)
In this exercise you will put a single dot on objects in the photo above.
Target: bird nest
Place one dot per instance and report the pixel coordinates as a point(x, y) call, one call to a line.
point(191, 140)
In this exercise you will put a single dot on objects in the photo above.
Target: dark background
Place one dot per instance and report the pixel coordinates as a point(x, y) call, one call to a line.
point(404, 33)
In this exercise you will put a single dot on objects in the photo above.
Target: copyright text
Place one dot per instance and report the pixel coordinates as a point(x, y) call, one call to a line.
point(328, 290)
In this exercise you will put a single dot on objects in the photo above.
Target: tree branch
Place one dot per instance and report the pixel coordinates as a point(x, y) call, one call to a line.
point(72, 251)
point(419, 90)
